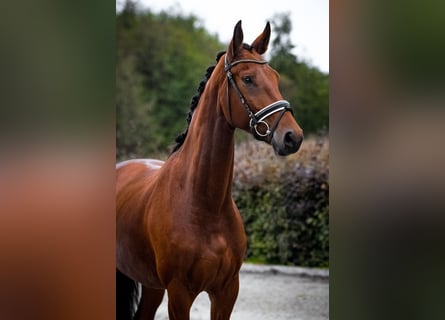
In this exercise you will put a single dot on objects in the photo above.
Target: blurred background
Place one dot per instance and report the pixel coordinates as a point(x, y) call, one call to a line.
point(386, 147)
point(162, 54)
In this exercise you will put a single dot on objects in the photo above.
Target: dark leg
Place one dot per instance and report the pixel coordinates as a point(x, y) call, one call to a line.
point(126, 296)
point(150, 301)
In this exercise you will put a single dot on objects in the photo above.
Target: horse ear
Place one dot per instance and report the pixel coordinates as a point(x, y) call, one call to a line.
point(260, 44)
point(236, 42)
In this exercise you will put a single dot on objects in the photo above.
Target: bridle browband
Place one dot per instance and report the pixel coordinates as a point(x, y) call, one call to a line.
point(256, 119)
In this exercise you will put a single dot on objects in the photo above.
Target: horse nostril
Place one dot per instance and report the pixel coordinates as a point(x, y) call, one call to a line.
point(292, 142)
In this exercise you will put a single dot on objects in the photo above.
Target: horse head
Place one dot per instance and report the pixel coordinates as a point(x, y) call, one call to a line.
point(254, 102)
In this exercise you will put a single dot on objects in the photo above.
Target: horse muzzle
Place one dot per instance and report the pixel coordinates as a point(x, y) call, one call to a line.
point(287, 141)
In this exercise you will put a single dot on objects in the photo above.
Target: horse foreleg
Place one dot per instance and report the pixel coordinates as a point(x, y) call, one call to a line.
point(150, 301)
point(180, 300)
point(223, 300)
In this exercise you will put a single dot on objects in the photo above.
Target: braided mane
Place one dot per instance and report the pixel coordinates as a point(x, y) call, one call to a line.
point(194, 103)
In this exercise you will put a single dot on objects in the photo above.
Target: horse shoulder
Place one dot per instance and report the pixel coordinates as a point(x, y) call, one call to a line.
point(133, 179)
point(132, 170)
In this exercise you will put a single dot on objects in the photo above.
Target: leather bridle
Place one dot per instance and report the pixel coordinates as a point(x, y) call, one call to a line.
point(259, 128)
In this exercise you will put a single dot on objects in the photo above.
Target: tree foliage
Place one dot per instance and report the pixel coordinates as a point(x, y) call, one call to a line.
point(160, 61)
point(306, 87)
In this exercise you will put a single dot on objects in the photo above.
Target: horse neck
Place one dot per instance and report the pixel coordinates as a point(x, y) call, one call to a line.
point(206, 158)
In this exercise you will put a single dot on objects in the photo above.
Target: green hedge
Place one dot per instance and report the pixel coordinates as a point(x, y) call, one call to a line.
point(284, 203)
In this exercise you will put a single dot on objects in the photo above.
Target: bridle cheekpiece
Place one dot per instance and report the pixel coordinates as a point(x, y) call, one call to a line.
point(258, 127)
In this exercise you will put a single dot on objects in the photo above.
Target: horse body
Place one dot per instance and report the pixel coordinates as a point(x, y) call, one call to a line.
point(185, 210)
point(178, 228)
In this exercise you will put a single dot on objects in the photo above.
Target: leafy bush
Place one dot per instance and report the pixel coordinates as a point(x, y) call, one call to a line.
point(284, 202)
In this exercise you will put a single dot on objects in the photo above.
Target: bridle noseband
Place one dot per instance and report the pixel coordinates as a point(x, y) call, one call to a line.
point(256, 119)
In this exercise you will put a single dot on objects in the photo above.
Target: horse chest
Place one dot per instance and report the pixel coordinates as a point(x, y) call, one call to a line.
point(216, 261)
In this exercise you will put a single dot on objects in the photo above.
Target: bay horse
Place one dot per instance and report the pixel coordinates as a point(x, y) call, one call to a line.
point(177, 227)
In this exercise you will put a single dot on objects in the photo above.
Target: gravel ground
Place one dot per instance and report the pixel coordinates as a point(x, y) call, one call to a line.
point(271, 293)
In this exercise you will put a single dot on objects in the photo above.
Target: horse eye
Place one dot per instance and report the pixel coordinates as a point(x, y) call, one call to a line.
point(247, 80)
